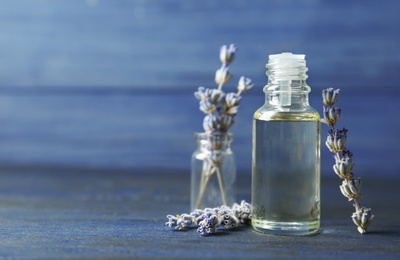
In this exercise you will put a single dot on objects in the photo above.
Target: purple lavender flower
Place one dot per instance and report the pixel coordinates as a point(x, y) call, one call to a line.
point(329, 96)
point(362, 218)
point(243, 211)
point(231, 105)
point(227, 218)
point(225, 122)
point(227, 53)
point(208, 225)
point(207, 106)
point(210, 123)
point(216, 96)
point(331, 115)
point(179, 222)
point(351, 188)
point(336, 140)
point(245, 84)
point(343, 164)
point(201, 93)
point(222, 75)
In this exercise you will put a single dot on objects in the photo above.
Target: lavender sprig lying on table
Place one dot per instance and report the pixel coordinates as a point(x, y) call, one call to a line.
point(336, 140)
point(209, 220)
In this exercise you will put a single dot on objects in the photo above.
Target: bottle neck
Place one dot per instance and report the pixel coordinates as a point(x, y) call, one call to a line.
point(287, 88)
point(287, 101)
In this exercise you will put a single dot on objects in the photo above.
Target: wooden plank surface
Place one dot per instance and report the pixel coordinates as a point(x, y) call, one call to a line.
point(50, 213)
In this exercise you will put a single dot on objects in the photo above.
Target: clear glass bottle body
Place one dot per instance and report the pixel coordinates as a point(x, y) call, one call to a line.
point(286, 156)
point(213, 173)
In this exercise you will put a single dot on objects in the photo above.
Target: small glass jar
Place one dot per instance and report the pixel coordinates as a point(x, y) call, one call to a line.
point(213, 171)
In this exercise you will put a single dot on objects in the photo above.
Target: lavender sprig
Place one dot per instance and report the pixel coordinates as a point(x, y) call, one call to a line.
point(220, 109)
point(209, 220)
point(336, 140)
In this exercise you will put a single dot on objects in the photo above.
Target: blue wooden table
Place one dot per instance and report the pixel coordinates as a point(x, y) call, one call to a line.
point(53, 213)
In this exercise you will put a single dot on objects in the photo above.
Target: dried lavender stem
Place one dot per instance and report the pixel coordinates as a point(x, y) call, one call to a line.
point(220, 87)
point(202, 190)
point(221, 187)
point(203, 185)
point(356, 203)
point(362, 217)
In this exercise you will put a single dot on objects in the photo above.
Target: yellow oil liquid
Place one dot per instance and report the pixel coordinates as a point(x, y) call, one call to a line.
point(286, 173)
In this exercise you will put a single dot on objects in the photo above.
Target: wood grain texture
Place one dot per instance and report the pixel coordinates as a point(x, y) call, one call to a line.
point(101, 214)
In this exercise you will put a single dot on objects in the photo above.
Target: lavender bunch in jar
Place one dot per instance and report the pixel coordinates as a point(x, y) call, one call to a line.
point(336, 140)
point(213, 166)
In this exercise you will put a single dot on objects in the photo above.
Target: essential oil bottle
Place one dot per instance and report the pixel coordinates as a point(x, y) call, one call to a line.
point(286, 152)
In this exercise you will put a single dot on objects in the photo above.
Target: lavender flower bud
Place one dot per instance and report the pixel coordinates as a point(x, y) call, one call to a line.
point(232, 100)
point(242, 211)
point(209, 123)
point(362, 218)
point(329, 96)
point(227, 53)
point(184, 222)
point(222, 75)
point(232, 111)
point(225, 122)
point(351, 188)
point(172, 221)
point(231, 105)
point(336, 140)
point(180, 222)
point(201, 93)
point(245, 84)
point(343, 165)
point(208, 225)
point(331, 115)
point(229, 220)
point(196, 213)
point(216, 96)
point(207, 106)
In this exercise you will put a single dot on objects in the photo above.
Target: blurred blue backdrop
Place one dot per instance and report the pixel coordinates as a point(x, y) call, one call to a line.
point(104, 83)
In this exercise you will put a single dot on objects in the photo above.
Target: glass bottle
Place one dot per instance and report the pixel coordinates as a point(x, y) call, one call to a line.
point(213, 171)
point(286, 152)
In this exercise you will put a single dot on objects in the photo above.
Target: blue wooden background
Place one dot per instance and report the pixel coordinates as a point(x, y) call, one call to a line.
point(109, 84)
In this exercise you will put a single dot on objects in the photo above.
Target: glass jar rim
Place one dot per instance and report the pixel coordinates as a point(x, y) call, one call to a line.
point(204, 138)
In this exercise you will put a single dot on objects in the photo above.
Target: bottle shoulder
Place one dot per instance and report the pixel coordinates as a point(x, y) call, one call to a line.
point(286, 114)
